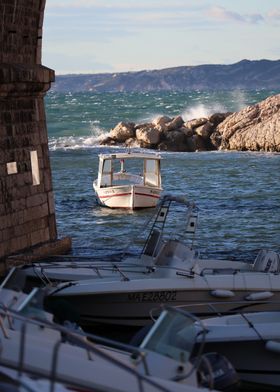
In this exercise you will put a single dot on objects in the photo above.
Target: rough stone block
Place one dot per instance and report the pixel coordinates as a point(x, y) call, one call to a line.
point(40, 236)
point(26, 210)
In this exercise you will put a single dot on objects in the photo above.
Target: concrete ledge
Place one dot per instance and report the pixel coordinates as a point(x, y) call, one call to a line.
point(22, 73)
point(39, 252)
point(20, 79)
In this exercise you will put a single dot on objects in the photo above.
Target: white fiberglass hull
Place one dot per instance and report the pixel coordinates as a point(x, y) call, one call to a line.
point(253, 363)
point(40, 348)
point(130, 302)
point(86, 370)
point(128, 196)
point(250, 342)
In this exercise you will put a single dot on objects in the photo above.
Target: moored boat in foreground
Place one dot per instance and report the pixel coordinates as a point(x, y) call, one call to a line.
point(173, 274)
point(250, 341)
point(33, 344)
point(170, 272)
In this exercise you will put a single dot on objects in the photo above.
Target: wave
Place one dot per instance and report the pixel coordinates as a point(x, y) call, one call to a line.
point(192, 112)
point(75, 142)
point(72, 142)
point(78, 142)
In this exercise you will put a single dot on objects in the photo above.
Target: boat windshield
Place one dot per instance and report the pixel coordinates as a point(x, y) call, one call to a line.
point(152, 172)
point(173, 335)
point(106, 173)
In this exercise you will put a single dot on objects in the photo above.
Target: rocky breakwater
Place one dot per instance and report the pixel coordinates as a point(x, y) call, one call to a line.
point(255, 128)
point(165, 133)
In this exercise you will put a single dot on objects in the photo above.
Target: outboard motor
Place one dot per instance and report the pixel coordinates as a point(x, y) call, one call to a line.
point(216, 372)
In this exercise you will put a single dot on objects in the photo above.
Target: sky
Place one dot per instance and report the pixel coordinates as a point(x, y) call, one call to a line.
point(93, 36)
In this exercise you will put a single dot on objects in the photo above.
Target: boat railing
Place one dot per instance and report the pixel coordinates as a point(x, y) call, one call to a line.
point(46, 281)
point(24, 383)
point(89, 342)
point(222, 270)
point(124, 269)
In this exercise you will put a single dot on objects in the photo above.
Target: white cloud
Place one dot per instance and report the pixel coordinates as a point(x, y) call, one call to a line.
point(254, 18)
point(130, 5)
point(120, 19)
point(131, 35)
point(222, 14)
point(274, 14)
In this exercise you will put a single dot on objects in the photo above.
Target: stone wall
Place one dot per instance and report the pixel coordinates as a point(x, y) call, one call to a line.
point(27, 216)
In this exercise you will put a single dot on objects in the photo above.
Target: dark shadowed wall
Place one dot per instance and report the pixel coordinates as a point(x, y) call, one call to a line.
point(27, 216)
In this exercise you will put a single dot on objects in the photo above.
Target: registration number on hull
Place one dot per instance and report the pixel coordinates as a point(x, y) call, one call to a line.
point(153, 296)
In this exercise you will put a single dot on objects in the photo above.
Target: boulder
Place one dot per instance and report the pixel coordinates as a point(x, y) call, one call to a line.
point(187, 131)
point(191, 143)
point(254, 128)
point(143, 125)
point(206, 130)
point(123, 131)
point(107, 141)
point(217, 118)
point(199, 143)
point(175, 123)
point(197, 122)
point(146, 145)
point(148, 134)
point(132, 142)
point(174, 141)
point(160, 122)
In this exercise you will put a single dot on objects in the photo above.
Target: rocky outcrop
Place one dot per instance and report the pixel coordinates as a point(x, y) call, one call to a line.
point(255, 128)
point(165, 133)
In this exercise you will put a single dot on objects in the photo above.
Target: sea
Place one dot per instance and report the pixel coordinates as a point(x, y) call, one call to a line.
point(237, 194)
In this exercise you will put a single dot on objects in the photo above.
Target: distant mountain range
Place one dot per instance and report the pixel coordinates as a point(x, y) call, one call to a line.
point(260, 74)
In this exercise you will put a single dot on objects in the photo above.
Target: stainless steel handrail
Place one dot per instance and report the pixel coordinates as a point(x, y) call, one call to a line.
point(79, 338)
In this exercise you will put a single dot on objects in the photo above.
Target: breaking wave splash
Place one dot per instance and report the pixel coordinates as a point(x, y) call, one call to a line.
point(74, 142)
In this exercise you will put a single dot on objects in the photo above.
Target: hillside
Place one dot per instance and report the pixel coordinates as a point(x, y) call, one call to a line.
point(261, 74)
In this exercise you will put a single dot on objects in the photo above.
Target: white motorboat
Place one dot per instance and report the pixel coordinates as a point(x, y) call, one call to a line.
point(32, 344)
point(119, 184)
point(250, 341)
point(172, 273)
point(129, 302)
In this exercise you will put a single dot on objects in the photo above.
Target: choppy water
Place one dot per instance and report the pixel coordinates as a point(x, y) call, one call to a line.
point(238, 194)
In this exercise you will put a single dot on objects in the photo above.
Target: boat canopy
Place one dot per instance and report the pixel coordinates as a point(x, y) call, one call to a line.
point(127, 155)
point(108, 168)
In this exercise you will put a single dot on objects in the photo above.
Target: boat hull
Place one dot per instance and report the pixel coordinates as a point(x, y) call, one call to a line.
point(128, 196)
point(132, 305)
point(252, 361)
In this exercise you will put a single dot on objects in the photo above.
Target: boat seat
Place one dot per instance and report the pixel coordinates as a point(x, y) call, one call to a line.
point(267, 261)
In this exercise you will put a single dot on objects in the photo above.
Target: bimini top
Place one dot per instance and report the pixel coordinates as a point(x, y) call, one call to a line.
point(132, 155)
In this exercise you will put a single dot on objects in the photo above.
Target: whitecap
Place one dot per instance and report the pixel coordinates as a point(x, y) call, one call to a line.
point(72, 143)
point(201, 110)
